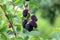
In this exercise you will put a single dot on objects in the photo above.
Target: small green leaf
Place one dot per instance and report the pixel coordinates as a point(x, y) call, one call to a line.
point(4, 7)
point(3, 36)
point(19, 28)
point(17, 1)
point(3, 29)
point(3, 1)
point(19, 38)
point(34, 38)
point(9, 7)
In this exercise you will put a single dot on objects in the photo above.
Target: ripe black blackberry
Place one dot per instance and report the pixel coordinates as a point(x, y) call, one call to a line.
point(33, 18)
point(28, 27)
point(33, 24)
point(25, 13)
point(24, 23)
point(27, 0)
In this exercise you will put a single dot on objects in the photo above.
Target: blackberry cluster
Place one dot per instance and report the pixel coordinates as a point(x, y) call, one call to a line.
point(30, 20)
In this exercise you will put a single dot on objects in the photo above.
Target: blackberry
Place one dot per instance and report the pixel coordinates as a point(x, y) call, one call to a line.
point(33, 18)
point(34, 24)
point(27, 0)
point(25, 13)
point(24, 22)
point(28, 27)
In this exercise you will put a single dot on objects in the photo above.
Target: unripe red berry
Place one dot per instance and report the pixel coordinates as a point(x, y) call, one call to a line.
point(9, 25)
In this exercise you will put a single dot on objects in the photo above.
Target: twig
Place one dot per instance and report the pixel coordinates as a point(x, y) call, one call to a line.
point(9, 21)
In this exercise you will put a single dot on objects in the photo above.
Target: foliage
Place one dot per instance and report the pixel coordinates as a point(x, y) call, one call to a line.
point(48, 22)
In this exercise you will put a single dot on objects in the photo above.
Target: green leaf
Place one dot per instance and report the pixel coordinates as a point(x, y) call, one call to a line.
point(12, 38)
point(17, 1)
point(10, 16)
point(19, 28)
point(34, 38)
point(9, 7)
point(3, 36)
point(35, 33)
point(19, 38)
point(56, 35)
point(0, 0)
point(26, 38)
point(1, 11)
point(3, 29)
point(4, 7)
point(4, 1)
point(10, 32)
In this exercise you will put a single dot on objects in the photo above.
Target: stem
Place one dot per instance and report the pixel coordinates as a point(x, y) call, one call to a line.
point(14, 6)
point(9, 21)
point(15, 10)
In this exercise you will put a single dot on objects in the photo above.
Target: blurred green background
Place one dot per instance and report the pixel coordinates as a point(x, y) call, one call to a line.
point(47, 12)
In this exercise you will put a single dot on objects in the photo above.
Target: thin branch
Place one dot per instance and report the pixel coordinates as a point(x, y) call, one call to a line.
point(15, 11)
point(9, 21)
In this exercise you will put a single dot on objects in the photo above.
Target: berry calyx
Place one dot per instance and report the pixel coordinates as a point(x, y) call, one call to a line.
point(26, 7)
